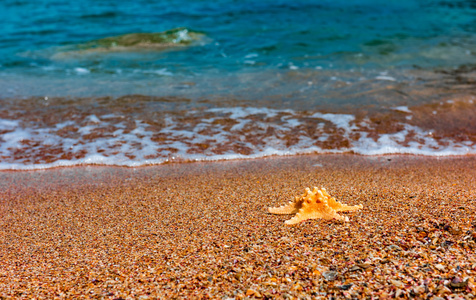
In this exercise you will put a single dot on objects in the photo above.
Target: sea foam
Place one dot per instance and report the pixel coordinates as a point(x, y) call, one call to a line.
point(212, 134)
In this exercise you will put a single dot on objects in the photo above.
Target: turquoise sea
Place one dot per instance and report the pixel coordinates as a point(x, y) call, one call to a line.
point(148, 82)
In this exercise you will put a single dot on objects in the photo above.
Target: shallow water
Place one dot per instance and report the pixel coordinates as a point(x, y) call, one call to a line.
point(97, 82)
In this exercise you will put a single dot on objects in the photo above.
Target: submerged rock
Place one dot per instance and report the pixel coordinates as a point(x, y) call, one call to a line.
point(177, 37)
point(173, 37)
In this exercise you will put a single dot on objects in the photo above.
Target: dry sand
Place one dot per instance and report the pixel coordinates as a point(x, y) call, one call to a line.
point(202, 230)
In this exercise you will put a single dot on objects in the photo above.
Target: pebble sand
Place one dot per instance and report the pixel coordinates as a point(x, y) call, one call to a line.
point(202, 230)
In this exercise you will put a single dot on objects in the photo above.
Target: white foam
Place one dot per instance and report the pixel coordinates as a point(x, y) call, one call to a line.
point(392, 144)
point(163, 72)
point(385, 77)
point(252, 55)
point(243, 112)
point(402, 109)
point(15, 137)
point(64, 124)
point(81, 71)
point(94, 119)
point(182, 36)
point(340, 120)
point(291, 122)
point(8, 124)
point(263, 131)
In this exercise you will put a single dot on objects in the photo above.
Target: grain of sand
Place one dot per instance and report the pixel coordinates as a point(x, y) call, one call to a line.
point(202, 231)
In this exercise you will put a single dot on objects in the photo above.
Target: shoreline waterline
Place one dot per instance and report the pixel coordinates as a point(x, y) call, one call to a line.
point(140, 130)
point(387, 156)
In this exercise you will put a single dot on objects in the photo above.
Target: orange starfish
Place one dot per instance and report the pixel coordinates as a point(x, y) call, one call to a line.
point(313, 204)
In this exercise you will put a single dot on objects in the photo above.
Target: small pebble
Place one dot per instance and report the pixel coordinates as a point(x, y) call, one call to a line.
point(330, 275)
point(344, 287)
point(398, 293)
point(397, 283)
point(394, 248)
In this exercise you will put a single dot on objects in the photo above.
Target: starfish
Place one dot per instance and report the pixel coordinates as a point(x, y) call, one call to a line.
point(313, 204)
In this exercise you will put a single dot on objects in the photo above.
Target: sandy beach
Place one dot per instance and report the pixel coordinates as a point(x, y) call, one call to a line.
point(202, 230)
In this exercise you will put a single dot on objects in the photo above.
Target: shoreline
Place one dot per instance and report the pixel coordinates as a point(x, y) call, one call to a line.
point(370, 157)
point(140, 130)
point(202, 230)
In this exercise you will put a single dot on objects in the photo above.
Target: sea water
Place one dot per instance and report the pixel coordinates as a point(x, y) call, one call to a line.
point(149, 82)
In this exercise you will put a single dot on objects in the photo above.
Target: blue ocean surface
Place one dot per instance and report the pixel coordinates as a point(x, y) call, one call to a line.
point(41, 54)
point(147, 82)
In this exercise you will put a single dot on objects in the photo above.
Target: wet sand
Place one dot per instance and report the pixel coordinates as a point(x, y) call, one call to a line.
point(201, 230)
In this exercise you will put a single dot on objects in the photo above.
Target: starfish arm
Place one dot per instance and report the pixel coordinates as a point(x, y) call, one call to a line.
point(299, 217)
point(350, 208)
point(337, 206)
point(290, 208)
point(317, 210)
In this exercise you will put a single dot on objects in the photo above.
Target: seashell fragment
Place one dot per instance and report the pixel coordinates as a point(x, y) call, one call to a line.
point(315, 204)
